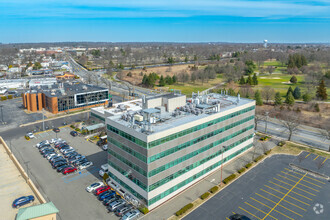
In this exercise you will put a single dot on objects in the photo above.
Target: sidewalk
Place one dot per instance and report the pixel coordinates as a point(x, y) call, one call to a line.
point(169, 208)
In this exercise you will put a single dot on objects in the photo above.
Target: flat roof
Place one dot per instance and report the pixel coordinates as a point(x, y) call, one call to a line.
point(193, 110)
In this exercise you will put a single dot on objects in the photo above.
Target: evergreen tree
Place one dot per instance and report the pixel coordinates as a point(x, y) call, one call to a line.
point(168, 80)
point(289, 99)
point(289, 91)
point(231, 92)
point(255, 79)
point(249, 80)
point(174, 79)
point(321, 92)
point(242, 81)
point(296, 93)
point(293, 79)
point(161, 81)
point(306, 97)
point(303, 60)
point(144, 79)
point(257, 96)
point(278, 99)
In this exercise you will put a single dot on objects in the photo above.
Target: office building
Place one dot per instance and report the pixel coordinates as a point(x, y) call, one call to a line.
point(159, 146)
point(62, 97)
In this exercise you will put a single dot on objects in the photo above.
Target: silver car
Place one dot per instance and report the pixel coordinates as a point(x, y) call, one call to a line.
point(116, 204)
point(131, 215)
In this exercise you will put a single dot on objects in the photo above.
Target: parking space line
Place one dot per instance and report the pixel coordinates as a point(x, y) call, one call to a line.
point(316, 157)
point(259, 210)
point(279, 204)
point(270, 208)
point(308, 155)
point(299, 183)
point(292, 191)
point(287, 194)
point(249, 213)
point(306, 176)
point(296, 187)
point(283, 200)
point(324, 160)
point(303, 180)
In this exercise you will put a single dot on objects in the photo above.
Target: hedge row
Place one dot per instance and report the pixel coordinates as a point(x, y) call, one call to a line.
point(214, 189)
point(247, 166)
point(72, 126)
point(265, 138)
point(241, 170)
point(229, 178)
point(77, 129)
point(184, 209)
point(205, 195)
point(144, 210)
point(258, 158)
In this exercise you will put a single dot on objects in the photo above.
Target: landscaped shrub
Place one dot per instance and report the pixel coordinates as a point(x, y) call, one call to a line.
point(248, 165)
point(265, 138)
point(77, 129)
point(214, 189)
point(241, 170)
point(229, 178)
point(72, 126)
point(268, 152)
point(184, 209)
point(3, 98)
point(258, 158)
point(27, 138)
point(83, 132)
point(144, 210)
point(281, 143)
point(10, 96)
point(205, 195)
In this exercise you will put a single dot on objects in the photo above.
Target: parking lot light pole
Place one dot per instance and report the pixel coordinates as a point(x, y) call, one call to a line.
point(223, 150)
point(266, 121)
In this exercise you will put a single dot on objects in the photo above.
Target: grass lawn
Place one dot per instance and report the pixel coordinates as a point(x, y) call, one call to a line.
point(273, 63)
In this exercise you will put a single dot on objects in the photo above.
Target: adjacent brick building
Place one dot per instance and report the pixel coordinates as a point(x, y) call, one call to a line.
point(64, 97)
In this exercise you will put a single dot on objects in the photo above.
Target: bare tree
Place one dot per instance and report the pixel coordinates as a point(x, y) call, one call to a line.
point(291, 122)
point(325, 132)
point(89, 78)
point(270, 69)
point(268, 93)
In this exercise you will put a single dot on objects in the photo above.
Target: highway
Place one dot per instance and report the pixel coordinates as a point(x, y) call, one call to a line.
point(303, 135)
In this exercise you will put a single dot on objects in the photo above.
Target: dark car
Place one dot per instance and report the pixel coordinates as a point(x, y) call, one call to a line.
point(57, 145)
point(48, 150)
point(65, 146)
point(22, 201)
point(107, 194)
point(107, 201)
point(55, 158)
point(58, 164)
point(74, 133)
point(60, 168)
point(122, 210)
point(71, 155)
point(56, 130)
point(238, 217)
point(79, 162)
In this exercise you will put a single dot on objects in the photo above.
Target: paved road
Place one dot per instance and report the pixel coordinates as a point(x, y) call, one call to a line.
point(303, 135)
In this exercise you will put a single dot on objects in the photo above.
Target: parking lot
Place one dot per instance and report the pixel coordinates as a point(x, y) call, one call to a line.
point(67, 192)
point(275, 189)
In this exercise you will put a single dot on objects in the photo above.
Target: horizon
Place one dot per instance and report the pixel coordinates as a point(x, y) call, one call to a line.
point(211, 21)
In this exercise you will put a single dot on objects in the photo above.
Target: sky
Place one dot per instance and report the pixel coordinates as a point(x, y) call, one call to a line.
point(237, 21)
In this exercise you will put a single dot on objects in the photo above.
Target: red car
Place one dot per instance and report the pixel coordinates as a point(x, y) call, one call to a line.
point(101, 189)
point(69, 170)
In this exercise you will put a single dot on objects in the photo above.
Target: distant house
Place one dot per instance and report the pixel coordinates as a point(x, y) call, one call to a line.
point(46, 211)
point(65, 76)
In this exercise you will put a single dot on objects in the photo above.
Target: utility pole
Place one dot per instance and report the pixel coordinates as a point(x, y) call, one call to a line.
point(1, 106)
point(223, 150)
point(266, 121)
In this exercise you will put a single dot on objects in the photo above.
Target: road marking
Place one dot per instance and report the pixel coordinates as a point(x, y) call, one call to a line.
point(308, 155)
point(292, 191)
point(279, 204)
point(249, 213)
point(299, 183)
point(288, 195)
point(296, 187)
point(283, 200)
point(270, 208)
point(316, 157)
point(324, 161)
point(303, 180)
point(259, 210)
point(306, 176)
point(284, 196)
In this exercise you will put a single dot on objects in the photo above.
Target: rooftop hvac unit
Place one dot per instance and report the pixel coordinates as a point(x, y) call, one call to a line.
point(138, 117)
point(84, 87)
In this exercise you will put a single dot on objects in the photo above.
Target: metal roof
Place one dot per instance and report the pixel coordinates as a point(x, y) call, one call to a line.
point(36, 211)
point(94, 127)
point(150, 110)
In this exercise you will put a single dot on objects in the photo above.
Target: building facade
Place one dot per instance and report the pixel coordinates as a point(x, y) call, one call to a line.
point(170, 143)
point(64, 97)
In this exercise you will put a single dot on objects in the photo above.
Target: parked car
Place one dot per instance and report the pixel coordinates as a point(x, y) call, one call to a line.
point(55, 140)
point(100, 190)
point(63, 148)
point(131, 215)
point(94, 186)
point(74, 133)
point(48, 153)
point(68, 150)
point(30, 135)
point(55, 158)
point(60, 145)
point(71, 154)
point(56, 130)
point(69, 170)
point(61, 168)
point(45, 150)
point(122, 210)
point(106, 194)
point(238, 217)
point(41, 147)
point(107, 201)
point(79, 162)
point(85, 165)
point(50, 156)
point(58, 164)
point(116, 204)
point(42, 143)
point(105, 147)
point(22, 201)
